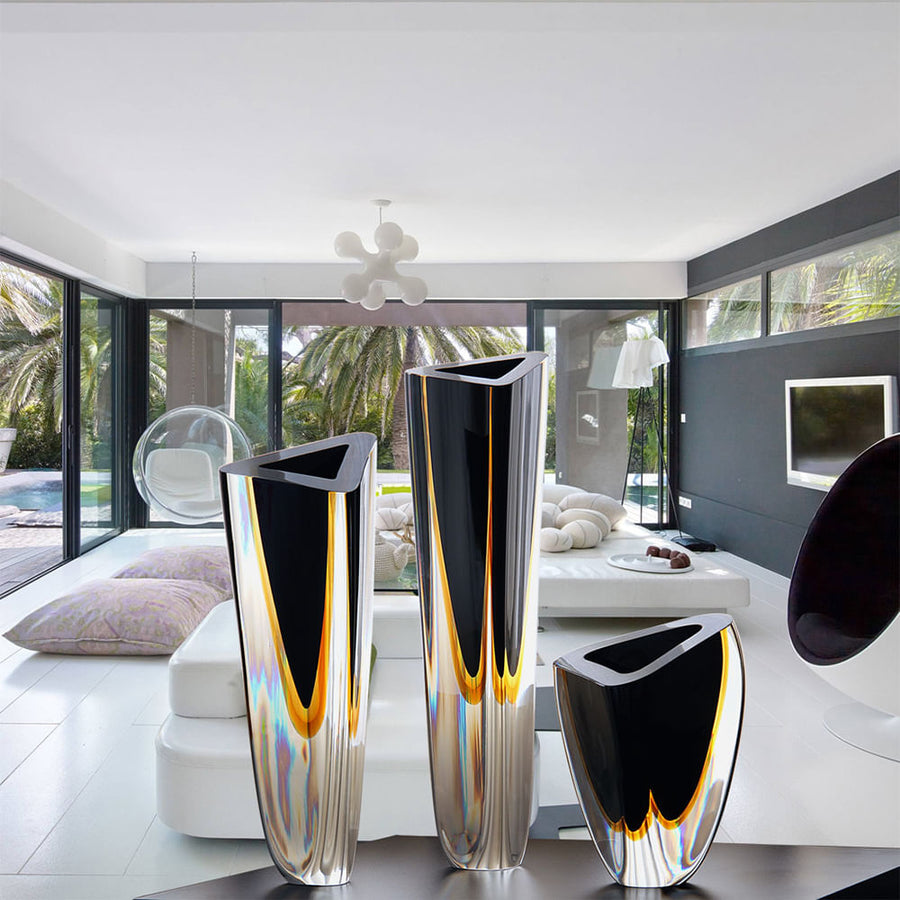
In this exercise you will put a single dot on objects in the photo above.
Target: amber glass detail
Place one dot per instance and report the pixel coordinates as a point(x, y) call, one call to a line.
point(651, 724)
point(477, 432)
point(299, 525)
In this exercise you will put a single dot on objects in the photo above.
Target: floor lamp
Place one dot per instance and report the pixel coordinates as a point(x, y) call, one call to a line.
point(634, 370)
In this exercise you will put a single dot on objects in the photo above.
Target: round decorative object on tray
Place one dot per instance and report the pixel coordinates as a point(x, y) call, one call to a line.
point(656, 565)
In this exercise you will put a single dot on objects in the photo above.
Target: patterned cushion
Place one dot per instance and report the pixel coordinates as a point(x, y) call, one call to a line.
point(118, 616)
point(203, 563)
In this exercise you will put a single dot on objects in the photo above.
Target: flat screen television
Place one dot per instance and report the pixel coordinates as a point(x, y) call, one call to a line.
point(830, 421)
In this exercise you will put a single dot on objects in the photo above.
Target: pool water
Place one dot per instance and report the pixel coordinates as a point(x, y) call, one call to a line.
point(43, 495)
point(651, 495)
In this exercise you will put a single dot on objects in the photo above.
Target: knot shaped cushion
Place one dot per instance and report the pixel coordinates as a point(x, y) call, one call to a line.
point(554, 493)
point(584, 534)
point(602, 503)
point(390, 518)
point(585, 515)
point(554, 540)
point(549, 514)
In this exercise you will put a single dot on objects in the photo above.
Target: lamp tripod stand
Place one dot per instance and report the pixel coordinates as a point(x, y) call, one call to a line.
point(646, 404)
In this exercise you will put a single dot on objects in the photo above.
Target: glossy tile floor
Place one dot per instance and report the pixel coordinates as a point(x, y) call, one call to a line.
point(77, 817)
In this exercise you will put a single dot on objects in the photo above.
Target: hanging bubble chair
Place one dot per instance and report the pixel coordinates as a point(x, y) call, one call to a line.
point(176, 462)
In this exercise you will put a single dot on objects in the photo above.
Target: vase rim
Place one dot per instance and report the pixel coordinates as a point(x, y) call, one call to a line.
point(706, 624)
point(348, 471)
point(527, 360)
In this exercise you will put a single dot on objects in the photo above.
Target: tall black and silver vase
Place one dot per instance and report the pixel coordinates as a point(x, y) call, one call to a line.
point(299, 525)
point(476, 433)
point(651, 723)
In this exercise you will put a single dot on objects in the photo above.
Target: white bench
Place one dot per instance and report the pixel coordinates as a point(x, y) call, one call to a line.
point(583, 583)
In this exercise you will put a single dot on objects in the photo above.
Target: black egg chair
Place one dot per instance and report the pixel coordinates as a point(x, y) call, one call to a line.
point(844, 598)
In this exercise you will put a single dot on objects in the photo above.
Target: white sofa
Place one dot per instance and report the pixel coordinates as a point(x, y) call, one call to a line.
point(204, 777)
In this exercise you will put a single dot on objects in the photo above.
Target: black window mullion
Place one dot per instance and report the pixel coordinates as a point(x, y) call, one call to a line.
point(275, 377)
point(71, 418)
point(136, 390)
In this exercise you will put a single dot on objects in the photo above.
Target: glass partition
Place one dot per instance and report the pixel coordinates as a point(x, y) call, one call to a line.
point(603, 438)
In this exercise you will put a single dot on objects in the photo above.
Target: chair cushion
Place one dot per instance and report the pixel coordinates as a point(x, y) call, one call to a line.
point(118, 616)
point(830, 641)
point(200, 563)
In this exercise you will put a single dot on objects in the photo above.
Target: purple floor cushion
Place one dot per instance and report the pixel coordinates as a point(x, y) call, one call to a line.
point(203, 563)
point(118, 616)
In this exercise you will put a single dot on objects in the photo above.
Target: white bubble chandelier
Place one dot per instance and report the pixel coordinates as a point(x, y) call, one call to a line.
point(368, 287)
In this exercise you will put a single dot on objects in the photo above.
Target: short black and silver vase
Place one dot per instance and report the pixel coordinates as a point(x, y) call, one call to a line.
point(651, 723)
point(476, 433)
point(300, 531)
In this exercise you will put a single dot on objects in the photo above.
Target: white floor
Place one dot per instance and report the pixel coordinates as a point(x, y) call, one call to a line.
point(77, 816)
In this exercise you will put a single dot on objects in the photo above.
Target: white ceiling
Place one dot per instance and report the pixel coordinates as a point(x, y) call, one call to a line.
point(504, 131)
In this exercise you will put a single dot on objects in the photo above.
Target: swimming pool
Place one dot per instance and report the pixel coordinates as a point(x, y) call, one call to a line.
point(40, 492)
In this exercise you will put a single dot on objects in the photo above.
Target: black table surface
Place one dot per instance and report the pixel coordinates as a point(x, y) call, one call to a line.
point(415, 867)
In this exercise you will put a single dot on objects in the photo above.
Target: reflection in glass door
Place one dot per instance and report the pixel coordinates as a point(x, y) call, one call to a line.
point(601, 438)
point(98, 395)
point(216, 356)
point(31, 404)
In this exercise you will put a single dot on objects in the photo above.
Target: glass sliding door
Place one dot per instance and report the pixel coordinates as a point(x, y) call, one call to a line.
point(601, 438)
point(216, 357)
point(99, 488)
point(31, 411)
point(342, 371)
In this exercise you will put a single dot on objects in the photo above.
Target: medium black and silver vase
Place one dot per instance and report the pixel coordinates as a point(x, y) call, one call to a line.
point(651, 723)
point(300, 530)
point(476, 434)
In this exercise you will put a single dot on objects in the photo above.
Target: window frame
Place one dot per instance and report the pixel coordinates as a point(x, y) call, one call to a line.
point(764, 270)
point(669, 389)
point(71, 411)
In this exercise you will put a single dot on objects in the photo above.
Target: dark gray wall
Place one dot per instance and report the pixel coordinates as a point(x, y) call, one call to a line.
point(878, 201)
point(731, 449)
point(732, 453)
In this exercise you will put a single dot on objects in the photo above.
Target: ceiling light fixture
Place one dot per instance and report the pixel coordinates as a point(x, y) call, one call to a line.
point(368, 287)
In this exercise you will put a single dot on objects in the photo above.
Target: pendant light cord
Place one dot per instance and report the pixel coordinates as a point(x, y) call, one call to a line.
point(193, 327)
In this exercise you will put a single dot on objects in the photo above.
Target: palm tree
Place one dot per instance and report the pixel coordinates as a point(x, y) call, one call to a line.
point(25, 296)
point(31, 343)
point(360, 367)
point(866, 283)
point(251, 384)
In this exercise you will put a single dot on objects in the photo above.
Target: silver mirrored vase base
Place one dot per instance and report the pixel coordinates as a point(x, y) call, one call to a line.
point(651, 723)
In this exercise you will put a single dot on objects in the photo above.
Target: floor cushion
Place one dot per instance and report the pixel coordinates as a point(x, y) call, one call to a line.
point(118, 616)
point(200, 563)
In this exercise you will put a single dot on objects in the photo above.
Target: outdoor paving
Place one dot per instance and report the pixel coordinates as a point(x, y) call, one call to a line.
point(25, 552)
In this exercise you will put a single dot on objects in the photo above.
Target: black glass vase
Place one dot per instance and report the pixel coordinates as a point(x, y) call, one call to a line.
point(476, 434)
point(651, 723)
point(300, 531)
